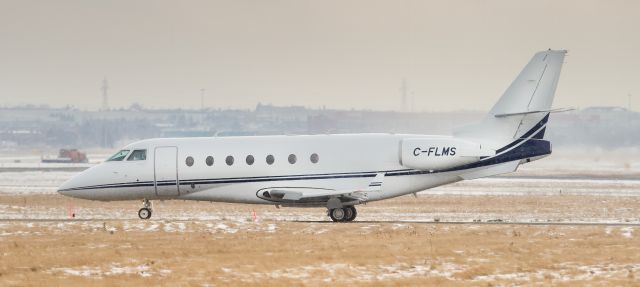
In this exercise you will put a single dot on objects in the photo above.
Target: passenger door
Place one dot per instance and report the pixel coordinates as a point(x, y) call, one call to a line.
point(166, 171)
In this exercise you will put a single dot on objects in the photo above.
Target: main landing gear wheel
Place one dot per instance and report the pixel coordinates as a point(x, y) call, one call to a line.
point(337, 214)
point(145, 211)
point(348, 213)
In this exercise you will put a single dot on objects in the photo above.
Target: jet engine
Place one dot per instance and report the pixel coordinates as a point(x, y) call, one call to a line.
point(436, 153)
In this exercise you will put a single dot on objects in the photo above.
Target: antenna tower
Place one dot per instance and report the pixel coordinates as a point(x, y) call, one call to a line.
point(403, 91)
point(105, 95)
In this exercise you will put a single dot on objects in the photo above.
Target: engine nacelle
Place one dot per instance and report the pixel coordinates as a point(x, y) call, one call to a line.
point(440, 152)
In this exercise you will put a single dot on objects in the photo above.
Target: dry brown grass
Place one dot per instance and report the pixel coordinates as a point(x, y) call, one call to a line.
point(321, 253)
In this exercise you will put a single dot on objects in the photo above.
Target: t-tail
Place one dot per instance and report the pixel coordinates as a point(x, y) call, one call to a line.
point(515, 126)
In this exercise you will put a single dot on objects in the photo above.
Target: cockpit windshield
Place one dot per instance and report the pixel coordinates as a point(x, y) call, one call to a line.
point(119, 155)
point(139, 154)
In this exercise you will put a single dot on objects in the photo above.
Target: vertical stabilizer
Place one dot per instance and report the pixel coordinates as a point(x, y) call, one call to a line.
point(523, 109)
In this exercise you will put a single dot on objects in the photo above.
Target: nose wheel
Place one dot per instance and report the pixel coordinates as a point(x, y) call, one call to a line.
point(145, 211)
point(345, 214)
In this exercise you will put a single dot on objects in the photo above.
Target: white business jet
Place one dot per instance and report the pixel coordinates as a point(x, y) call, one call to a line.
point(337, 172)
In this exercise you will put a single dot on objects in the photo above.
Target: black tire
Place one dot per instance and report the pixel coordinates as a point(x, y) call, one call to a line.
point(337, 214)
point(348, 213)
point(144, 213)
point(352, 212)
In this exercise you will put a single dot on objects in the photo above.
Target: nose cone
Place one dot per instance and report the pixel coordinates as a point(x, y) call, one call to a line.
point(68, 187)
point(74, 187)
point(88, 184)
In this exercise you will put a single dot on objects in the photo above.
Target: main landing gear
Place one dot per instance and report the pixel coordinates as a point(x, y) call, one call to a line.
point(347, 213)
point(145, 211)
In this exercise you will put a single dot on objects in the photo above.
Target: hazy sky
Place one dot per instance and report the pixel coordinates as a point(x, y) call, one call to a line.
point(342, 54)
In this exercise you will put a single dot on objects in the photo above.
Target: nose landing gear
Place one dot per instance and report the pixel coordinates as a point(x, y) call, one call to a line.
point(348, 213)
point(145, 211)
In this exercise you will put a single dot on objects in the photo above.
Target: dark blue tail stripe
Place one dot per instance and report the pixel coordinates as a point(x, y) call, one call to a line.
point(526, 135)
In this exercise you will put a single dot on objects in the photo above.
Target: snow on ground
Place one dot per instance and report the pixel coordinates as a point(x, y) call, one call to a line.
point(114, 269)
point(627, 232)
point(35, 182)
point(19, 228)
point(564, 272)
point(169, 218)
point(581, 159)
point(540, 186)
point(31, 160)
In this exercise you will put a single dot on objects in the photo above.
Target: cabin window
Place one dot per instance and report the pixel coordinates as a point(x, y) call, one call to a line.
point(209, 160)
point(229, 160)
point(292, 158)
point(270, 159)
point(139, 154)
point(250, 160)
point(314, 158)
point(119, 155)
point(189, 161)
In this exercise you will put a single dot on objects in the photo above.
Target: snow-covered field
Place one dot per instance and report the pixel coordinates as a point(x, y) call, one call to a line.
point(33, 182)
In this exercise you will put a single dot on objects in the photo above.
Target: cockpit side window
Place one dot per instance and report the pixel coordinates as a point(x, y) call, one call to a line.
point(139, 154)
point(119, 155)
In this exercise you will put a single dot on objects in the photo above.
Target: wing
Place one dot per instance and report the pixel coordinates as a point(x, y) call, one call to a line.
point(310, 195)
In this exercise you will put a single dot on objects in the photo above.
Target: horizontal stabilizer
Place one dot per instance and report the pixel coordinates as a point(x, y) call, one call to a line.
point(559, 110)
point(502, 168)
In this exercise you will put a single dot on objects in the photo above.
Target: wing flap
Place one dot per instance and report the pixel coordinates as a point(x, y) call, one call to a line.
point(311, 194)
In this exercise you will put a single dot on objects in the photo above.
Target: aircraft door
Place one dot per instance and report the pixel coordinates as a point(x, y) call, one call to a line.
point(166, 171)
